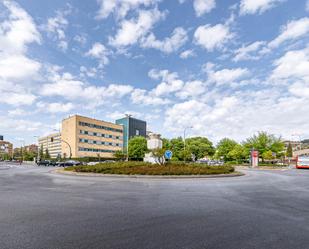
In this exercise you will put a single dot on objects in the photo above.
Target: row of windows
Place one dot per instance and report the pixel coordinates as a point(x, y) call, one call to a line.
point(83, 140)
point(90, 133)
point(95, 150)
point(99, 127)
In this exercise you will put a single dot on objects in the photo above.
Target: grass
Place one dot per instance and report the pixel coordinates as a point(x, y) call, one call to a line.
point(142, 168)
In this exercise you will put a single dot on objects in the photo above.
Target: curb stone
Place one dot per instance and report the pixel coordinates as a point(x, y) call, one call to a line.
point(63, 172)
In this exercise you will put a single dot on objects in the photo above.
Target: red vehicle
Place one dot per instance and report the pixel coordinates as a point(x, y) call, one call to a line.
point(302, 162)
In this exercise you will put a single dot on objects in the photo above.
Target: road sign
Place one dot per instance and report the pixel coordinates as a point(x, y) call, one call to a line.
point(168, 154)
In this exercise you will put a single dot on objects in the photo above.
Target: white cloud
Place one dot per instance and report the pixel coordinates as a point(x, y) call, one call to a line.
point(89, 72)
point(81, 39)
point(141, 96)
point(18, 31)
point(192, 89)
point(170, 82)
point(212, 37)
point(100, 52)
point(17, 98)
point(249, 52)
point(68, 87)
point(257, 6)
point(55, 107)
point(293, 65)
point(187, 54)
point(203, 6)
point(56, 27)
point(225, 76)
point(120, 8)
point(291, 31)
point(168, 45)
point(132, 30)
point(26, 67)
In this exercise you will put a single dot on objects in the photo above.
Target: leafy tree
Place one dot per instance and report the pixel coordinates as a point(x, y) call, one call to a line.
point(137, 147)
point(200, 147)
point(224, 147)
point(238, 153)
point(268, 155)
point(119, 154)
point(264, 142)
point(289, 151)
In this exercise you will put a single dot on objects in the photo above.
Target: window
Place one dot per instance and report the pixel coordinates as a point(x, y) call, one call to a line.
point(137, 132)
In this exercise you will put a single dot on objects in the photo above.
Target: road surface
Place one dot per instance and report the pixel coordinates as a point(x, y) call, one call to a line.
point(264, 209)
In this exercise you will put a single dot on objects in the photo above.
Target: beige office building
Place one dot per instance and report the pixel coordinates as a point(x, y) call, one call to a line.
point(51, 142)
point(89, 137)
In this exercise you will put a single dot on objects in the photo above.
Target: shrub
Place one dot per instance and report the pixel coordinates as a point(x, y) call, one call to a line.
point(142, 168)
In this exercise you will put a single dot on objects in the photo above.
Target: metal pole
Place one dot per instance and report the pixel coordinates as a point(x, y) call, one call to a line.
point(68, 145)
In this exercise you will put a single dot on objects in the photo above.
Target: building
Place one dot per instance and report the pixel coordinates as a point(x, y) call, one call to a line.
point(52, 143)
point(132, 127)
point(87, 137)
point(6, 148)
point(296, 145)
point(1, 138)
point(33, 148)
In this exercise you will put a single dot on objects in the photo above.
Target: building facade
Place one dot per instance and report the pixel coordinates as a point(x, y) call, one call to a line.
point(132, 127)
point(87, 137)
point(52, 143)
point(6, 148)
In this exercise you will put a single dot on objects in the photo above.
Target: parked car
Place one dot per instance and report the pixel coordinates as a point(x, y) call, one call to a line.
point(43, 163)
point(92, 163)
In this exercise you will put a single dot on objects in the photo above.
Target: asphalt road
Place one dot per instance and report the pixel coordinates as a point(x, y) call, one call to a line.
point(264, 209)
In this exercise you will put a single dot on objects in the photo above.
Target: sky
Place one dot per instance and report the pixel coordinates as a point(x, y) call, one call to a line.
point(225, 68)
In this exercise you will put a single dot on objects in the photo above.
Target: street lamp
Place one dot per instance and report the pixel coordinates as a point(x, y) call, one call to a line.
point(184, 142)
point(62, 140)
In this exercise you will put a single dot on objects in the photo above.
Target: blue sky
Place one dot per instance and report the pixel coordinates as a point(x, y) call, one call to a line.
point(226, 68)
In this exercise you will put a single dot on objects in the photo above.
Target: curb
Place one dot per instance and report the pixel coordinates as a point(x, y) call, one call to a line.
point(63, 172)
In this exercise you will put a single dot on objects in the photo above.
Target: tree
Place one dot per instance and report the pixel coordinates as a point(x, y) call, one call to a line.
point(200, 147)
point(47, 155)
point(289, 151)
point(224, 147)
point(120, 155)
point(238, 153)
point(41, 153)
point(268, 155)
point(137, 147)
point(264, 142)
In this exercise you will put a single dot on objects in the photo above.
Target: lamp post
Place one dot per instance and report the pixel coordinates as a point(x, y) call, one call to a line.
point(184, 142)
point(62, 140)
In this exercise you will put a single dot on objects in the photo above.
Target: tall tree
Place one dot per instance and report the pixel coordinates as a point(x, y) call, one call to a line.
point(41, 153)
point(264, 142)
point(47, 155)
point(224, 147)
point(200, 147)
point(137, 147)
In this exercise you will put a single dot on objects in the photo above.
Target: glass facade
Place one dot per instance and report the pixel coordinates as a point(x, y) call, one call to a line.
point(132, 127)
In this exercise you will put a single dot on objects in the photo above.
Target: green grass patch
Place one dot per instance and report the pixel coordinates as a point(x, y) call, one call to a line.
point(142, 168)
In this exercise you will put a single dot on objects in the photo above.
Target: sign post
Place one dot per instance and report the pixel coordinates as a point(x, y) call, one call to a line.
point(254, 158)
point(168, 154)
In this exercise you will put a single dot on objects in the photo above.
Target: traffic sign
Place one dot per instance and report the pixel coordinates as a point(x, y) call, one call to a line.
point(168, 154)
